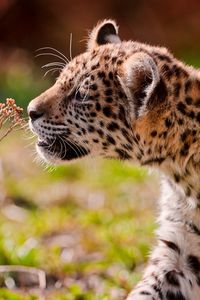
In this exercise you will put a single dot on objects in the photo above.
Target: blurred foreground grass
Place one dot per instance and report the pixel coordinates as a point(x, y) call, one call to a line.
point(88, 225)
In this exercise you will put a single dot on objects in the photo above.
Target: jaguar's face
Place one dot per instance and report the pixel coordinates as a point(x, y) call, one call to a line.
point(88, 110)
point(83, 113)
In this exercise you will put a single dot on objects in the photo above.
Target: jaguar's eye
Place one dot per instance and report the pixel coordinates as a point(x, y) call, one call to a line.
point(79, 96)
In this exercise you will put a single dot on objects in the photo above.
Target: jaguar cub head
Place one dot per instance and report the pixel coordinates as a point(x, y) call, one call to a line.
point(95, 103)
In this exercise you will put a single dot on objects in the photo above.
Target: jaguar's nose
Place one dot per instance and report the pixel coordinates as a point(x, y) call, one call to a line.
point(34, 113)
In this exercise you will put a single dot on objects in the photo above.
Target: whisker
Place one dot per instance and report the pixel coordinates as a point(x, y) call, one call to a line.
point(52, 64)
point(81, 144)
point(52, 69)
point(27, 138)
point(79, 87)
point(78, 148)
point(85, 39)
point(69, 144)
point(51, 145)
point(51, 54)
point(61, 148)
point(29, 145)
point(50, 168)
point(70, 46)
point(86, 94)
point(51, 48)
point(65, 149)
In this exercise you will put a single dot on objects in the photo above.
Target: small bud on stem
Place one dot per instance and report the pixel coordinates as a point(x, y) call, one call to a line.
point(11, 113)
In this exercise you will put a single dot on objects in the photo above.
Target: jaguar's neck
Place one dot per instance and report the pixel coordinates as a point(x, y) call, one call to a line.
point(170, 140)
point(178, 208)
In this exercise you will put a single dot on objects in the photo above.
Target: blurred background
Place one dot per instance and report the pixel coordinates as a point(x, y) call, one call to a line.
point(29, 25)
point(89, 226)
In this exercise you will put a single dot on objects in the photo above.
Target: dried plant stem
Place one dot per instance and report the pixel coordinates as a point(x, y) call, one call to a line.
point(12, 114)
point(7, 132)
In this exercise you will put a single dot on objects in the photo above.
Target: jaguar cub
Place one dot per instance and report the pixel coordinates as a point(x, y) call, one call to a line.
point(132, 101)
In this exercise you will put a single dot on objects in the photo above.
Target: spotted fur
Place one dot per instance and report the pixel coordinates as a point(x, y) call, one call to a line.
point(132, 101)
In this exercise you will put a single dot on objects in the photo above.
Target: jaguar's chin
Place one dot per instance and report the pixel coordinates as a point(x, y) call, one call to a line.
point(57, 151)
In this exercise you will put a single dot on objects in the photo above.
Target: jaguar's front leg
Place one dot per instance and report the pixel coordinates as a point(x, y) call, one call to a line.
point(166, 276)
point(173, 271)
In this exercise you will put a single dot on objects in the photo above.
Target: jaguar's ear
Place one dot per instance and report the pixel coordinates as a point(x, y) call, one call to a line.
point(139, 78)
point(104, 32)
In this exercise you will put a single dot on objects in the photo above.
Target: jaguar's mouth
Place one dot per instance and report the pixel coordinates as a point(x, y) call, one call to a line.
point(42, 143)
point(60, 148)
